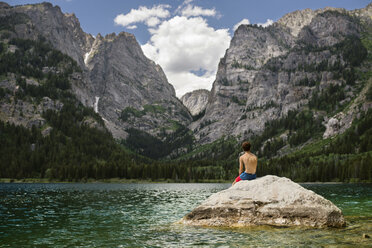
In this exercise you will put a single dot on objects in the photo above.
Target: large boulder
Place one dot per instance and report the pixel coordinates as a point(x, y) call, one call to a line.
point(268, 200)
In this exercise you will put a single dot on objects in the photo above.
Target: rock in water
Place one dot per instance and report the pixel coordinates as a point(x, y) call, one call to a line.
point(269, 200)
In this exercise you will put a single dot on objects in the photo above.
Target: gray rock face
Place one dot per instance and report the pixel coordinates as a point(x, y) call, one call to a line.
point(121, 76)
point(25, 113)
point(115, 73)
point(297, 20)
point(196, 101)
point(29, 112)
point(261, 76)
point(269, 200)
point(62, 30)
point(341, 121)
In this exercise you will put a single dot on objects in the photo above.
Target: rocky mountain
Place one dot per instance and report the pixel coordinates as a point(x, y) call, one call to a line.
point(127, 89)
point(305, 57)
point(300, 90)
point(196, 101)
point(131, 91)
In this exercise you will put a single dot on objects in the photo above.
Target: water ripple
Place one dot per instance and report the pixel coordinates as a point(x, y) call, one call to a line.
point(142, 215)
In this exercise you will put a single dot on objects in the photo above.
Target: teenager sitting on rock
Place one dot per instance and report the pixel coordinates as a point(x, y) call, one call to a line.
point(249, 160)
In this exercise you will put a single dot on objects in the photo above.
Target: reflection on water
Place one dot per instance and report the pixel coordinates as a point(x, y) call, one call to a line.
point(142, 215)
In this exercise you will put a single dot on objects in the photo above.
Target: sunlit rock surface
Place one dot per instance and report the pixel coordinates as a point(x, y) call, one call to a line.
point(196, 101)
point(269, 200)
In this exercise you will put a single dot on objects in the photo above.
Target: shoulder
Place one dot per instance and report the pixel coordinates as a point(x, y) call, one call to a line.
point(252, 156)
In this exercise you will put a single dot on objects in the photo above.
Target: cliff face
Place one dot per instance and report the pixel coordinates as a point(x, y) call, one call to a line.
point(265, 73)
point(196, 101)
point(122, 77)
point(268, 71)
point(115, 73)
point(62, 30)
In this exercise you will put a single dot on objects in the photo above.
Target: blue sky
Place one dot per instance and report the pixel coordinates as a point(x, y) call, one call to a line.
point(186, 37)
point(96, 16)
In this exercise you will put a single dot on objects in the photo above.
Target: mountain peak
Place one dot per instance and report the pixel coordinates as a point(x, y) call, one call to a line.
point(4, 5)
point(115, 74)
point(298, 19)
point(268, 72)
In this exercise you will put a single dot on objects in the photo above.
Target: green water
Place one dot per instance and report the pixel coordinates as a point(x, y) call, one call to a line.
point(142, 215)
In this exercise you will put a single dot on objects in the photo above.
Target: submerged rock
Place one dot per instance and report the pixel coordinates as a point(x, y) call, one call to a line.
point(269, 200)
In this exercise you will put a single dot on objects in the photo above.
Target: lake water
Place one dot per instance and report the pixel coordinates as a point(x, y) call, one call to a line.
point(142, 215)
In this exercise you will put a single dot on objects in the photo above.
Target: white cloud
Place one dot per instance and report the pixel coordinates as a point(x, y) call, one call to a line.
point(181, 42)
point(194, 82)
point(187, 2)
point(132, 27)
point(266, 24)
point(152, 21)
point(150, 16)
point(181, 45)
point(190, 10)
point(244, 21)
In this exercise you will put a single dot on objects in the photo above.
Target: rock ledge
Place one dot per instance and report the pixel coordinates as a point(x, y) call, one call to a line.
point(269, 200)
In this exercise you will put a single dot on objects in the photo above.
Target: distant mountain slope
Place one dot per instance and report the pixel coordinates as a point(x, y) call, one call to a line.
point(308, 60)
point(300, 91)
point(115, 75)
point(196, 101)
point(45, 131)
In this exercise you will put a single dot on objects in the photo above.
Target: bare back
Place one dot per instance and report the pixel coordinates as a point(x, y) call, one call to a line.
point(249, 160)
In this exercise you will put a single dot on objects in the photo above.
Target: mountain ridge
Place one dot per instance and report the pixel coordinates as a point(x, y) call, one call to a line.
point(302, 99)
point(259, 78)
point(115, 74)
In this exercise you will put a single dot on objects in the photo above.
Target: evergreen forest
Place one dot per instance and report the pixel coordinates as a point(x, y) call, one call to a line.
point(76, 150)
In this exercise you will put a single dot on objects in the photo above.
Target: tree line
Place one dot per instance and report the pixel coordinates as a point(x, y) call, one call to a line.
point(73, 150)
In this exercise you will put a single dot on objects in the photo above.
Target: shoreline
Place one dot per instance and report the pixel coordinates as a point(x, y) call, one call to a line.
point(140, 181)
point(108, 180)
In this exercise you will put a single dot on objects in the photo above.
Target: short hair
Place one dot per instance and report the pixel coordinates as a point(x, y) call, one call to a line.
point(246, 146)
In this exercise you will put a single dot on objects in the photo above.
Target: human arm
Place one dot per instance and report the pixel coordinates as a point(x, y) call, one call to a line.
point(241, 169)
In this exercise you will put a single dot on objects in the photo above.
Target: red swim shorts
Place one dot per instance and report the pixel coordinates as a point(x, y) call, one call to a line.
point(238, 179)
point(245, 176)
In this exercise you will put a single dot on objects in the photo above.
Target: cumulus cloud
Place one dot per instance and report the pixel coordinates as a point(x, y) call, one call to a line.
point(181, 42)
point(149, 16)
point(152, 21)
point(190, 10)
point(194, 82)
point(182, 45)
point(132, 27)
point(266, 24)
point(187, 2)
point(244, 21)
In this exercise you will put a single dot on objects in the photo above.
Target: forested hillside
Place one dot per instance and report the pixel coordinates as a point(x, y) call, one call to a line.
point(46, 131)
point(77, 145)
point(74, 150)
point(298, 145)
